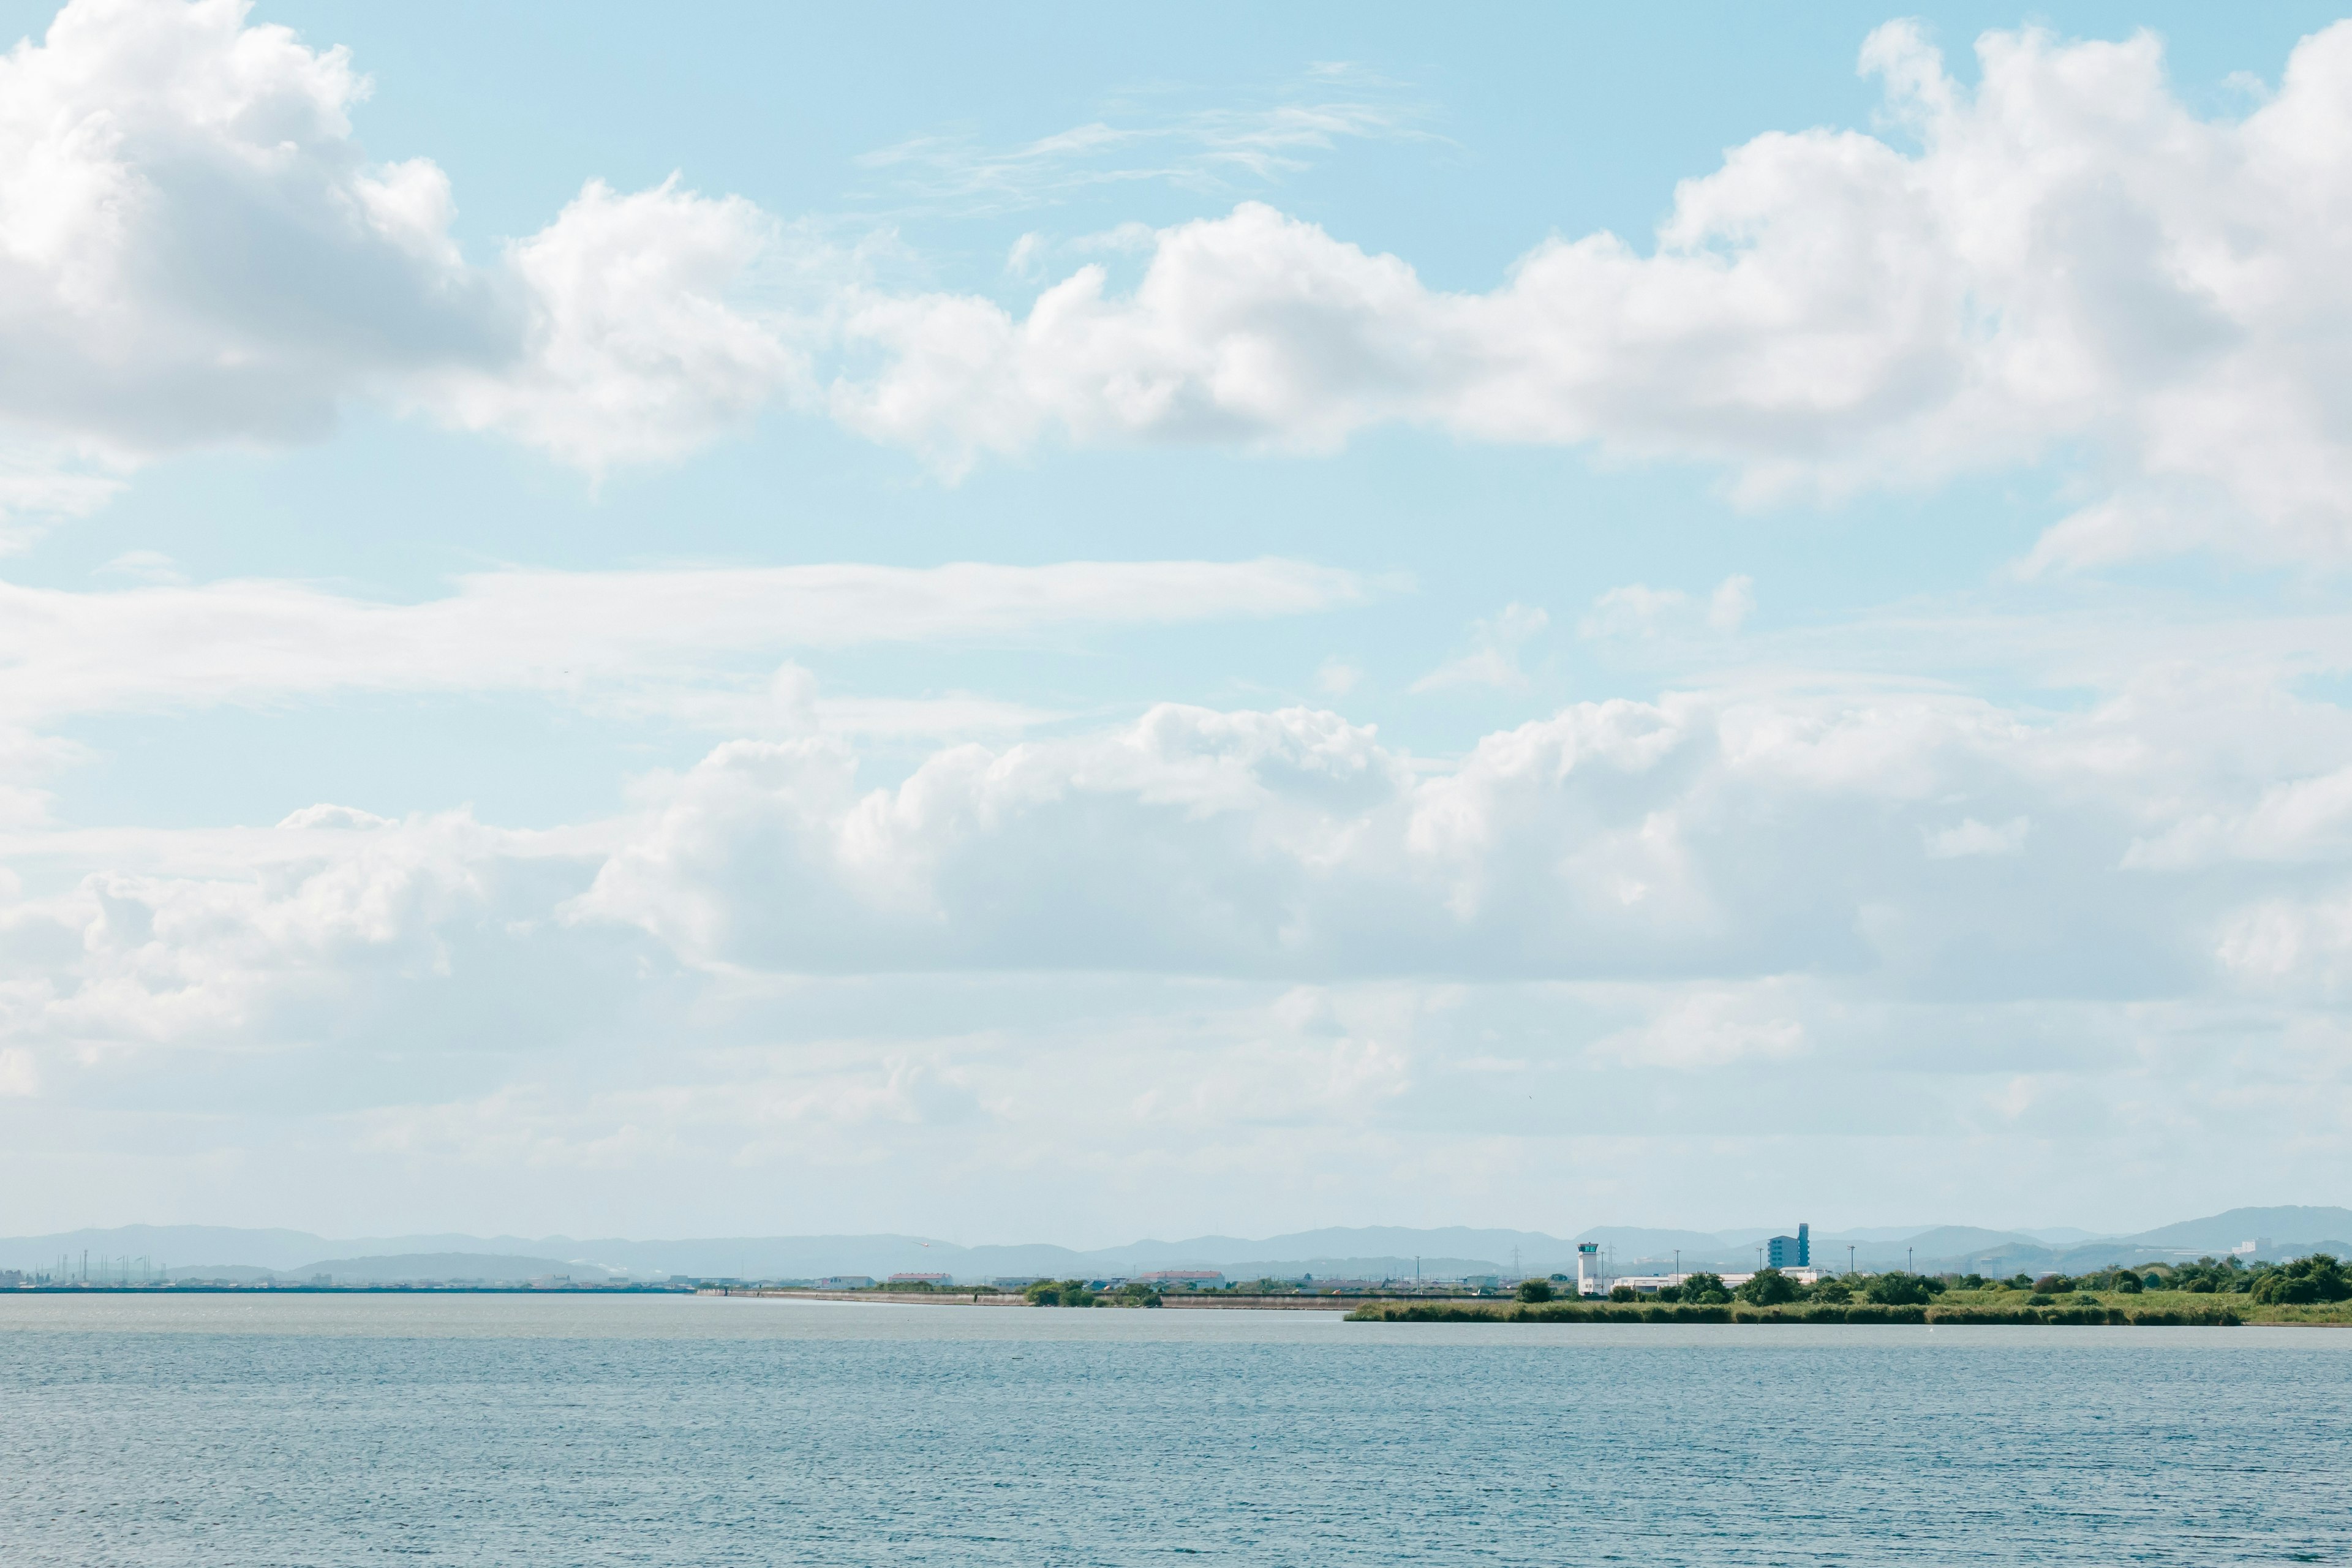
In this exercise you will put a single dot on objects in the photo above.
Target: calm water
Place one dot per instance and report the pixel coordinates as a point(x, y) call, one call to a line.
point(557, 1430)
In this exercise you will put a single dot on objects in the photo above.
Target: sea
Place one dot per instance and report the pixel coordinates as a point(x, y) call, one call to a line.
point(250, 1431)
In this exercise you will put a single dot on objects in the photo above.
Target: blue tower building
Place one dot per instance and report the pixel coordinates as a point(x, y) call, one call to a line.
point(1790, 1251)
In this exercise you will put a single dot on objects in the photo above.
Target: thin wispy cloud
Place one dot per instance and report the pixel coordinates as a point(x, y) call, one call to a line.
point(1219, 149)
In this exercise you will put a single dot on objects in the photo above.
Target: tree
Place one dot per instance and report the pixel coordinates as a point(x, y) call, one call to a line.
point(1835, 1291)
point(1705, 1289)
point(1534, 1289)
point(1768, 1288)
point(1623, 1293)
point(1896, 1289)
point(2318, 1278)
point(1060, 1293)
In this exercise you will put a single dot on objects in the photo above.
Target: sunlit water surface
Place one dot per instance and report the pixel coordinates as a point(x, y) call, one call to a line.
point(256, 1431)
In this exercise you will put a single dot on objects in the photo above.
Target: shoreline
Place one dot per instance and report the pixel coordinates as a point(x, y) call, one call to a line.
point(2205, 1312)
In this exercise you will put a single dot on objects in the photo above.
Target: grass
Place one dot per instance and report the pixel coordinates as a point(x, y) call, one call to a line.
point(2148, 1308)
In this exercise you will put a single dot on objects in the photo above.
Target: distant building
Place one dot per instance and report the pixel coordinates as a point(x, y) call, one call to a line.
point(1587, 1269)
point(1790, 1251)
point(1483, 1281)
point(1017, 1282)
point(1195, 1279)
point(1646, 1282)
point(921, 1279)
point(846, 1282)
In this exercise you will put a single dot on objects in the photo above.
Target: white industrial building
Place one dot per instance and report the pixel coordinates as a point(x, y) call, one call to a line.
point(1657, 1281)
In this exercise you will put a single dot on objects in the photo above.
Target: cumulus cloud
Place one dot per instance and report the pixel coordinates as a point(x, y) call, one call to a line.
point(1694, 835)
point(2067, 256)
point(194, 247)
point(1717, 912)
point(1704, 840)
point(2064, 263)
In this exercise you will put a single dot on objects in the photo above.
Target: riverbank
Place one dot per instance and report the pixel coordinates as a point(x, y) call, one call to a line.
point(2149, 1309)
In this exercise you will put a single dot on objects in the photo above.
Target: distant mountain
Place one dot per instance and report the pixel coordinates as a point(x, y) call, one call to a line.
point(166, 1245)
point(491, 1267)
point(1966, 1240)
point(1369, 1251)
point(2221, 1232)
point(1640, 1244)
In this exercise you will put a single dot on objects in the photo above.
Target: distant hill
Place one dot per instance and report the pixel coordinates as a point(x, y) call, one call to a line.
point(2222, 1231)
point(1368, 1251)
point(491, 1267)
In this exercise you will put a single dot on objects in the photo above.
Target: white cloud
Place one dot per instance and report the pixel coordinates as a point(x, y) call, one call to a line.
point(599, 636)
point(1335, 677)
point(2070, 262)
point(1634, 610)
point(1494, 656)
point(1699, 835)
point(195, 248)
point(1264, 933)
point(1969, 837)
point(1707, 1029)
point(2071, 258)
point(1204, 150)
point(1733, 601)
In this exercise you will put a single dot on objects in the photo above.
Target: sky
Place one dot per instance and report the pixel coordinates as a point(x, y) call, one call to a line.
point(1070, 627)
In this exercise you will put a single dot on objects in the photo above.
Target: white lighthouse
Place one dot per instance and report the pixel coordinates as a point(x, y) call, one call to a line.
point(1588, 1268)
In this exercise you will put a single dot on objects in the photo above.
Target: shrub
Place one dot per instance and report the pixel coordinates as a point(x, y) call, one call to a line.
point(1670, 1293)
point(1534, 1289)
point(1836, 1292)
point(1623, 1293)
point(2051, 1284)
point(1060, 1293)
point(2128, 1283)
point(1898, 1289)
point(2040, 1299)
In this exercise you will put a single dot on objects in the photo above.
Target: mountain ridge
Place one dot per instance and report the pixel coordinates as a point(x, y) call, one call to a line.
point(1375, 1251)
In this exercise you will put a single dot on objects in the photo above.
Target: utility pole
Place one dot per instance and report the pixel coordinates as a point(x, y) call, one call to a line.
point(1907, 1262)
point(1678, 1265)
point(1849, 1257)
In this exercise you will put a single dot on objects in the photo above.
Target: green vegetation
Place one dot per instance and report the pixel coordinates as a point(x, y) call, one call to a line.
point(1534, 1289)
point(2219, 1292)
point(1076, 1293)
point(1769, 1288)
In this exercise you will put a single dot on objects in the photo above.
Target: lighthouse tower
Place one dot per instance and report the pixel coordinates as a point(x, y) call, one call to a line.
point(1588, 1268)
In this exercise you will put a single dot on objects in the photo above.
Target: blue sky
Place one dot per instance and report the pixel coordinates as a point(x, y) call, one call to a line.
point(764, 621)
